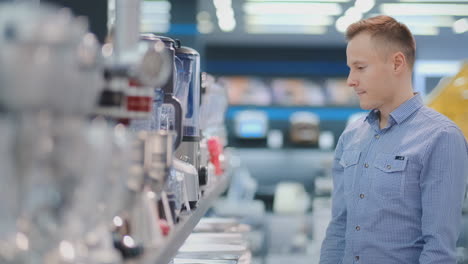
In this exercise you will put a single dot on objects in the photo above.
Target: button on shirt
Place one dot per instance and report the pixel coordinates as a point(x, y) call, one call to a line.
point(398, 191)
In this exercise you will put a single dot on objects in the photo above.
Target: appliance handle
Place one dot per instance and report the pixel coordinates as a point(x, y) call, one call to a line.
point(170, 99)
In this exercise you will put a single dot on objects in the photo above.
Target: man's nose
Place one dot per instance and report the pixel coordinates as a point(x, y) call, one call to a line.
point(351, 81)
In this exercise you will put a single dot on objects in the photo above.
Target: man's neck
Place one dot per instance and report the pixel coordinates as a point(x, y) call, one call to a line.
point(385, 110)
point(383, 120)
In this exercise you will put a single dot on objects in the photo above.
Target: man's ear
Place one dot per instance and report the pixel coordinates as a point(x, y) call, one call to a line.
point(399, 62)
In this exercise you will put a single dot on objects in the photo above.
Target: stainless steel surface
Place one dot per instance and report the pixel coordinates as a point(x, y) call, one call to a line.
point(189, 151)
point(182, 230)
point(158, 158)
point(190, 179)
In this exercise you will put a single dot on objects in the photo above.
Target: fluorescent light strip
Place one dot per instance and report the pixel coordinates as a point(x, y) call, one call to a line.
point(427, 67)
point(424, 30)
point(289, 20)
point(438, 1)
point(299, 1)
point(163, 28)
point(353, 13)
point(364, 6)
point(222, 3)
point(222, 13)
point(150, 15)
point(225, 15)
point(227, 25)
point(436, 21)
point(152, 19)
point(425, 9)
point(293, 8)
point(155, 20)
point(310, 30)
point(156, 6)
point(342, 23)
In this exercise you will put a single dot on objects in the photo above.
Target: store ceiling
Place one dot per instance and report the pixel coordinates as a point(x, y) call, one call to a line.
point(324, 20)
point(318, 17)
point(440, 26)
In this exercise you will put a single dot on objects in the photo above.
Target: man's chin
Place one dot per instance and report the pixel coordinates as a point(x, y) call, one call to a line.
point(365, 106)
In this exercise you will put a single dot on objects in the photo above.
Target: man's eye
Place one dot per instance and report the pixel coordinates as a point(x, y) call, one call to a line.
point(360, 68)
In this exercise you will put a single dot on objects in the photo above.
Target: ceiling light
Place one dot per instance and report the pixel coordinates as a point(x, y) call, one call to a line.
point(225, 15)
point(289, 20)
point(438, 68)
point(222, 3)
point(302, 1)
point(166, 18)
point(342, 23)
point(309, 30)
point(203, 15)
point(460, 26)
point(225, 12)
point(155, 16)
point(424, 9)
point(422, 1)
point(227, 25)
point(205, 27)
point(293, 8)
point(155, 27)
point(160, 7)
point(364, 5)
point(437, 21)
point(424, 30)
point(353, 14)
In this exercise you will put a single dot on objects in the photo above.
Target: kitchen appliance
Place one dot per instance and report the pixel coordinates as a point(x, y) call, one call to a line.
point(55, 158)
point(188, 93)
point(304, 128)
point(168, 107)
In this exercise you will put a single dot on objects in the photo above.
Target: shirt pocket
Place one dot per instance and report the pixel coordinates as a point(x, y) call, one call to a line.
point(349, 160)
point(389, 175)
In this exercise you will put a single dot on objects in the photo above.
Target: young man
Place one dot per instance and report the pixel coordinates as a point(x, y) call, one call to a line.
point(399, 173)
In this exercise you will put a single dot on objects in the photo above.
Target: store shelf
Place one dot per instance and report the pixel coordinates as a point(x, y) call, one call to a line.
point(272, 166)
point(184, 228)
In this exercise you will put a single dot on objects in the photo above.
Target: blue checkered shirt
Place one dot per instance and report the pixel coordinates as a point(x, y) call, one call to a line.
point(398, 191)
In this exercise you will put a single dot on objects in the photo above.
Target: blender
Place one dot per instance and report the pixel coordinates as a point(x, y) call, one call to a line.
point(166, 106)
point(188, 93)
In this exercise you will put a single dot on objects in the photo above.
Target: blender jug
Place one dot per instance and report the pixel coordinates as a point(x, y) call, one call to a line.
point(188, 93)
point(170, 109)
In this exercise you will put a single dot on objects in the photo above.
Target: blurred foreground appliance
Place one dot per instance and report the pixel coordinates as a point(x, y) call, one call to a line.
point(56, 153)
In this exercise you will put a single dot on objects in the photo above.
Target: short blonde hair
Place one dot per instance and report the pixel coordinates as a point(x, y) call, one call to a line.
point(388, 30)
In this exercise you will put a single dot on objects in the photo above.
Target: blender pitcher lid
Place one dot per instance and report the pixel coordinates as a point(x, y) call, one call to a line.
point(186, 50)
point(166, 40)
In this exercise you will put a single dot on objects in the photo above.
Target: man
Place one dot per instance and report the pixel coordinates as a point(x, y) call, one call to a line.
point(399, 173)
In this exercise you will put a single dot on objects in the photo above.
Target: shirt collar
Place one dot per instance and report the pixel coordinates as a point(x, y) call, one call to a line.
point(402, 112)
point(372, 116)
point(407, 108)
